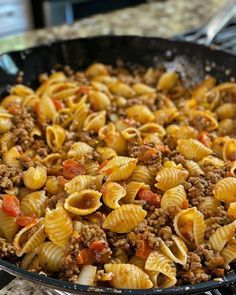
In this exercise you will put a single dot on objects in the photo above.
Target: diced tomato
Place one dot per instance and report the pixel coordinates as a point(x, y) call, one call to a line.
point(58, 104)
point(143, 250)
point(104, 163)
point(11, 205)
point(149, 197)
point(98, 245)
point(83, 90)
point(25, 220)
point(147, 154)
point(14, 108)
point(204, 138)
point(185, 204)
point(72, 168)
point(86, 256)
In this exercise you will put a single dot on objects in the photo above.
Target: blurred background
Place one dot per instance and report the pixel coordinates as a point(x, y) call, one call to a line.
point(38, 22)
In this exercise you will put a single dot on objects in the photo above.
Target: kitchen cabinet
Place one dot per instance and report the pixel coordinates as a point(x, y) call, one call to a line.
point(15, 17)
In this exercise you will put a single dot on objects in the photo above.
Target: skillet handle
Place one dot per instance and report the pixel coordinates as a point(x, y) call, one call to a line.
point(5, 278)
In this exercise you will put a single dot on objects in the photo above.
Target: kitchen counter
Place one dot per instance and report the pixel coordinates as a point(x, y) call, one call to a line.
point(157, 18)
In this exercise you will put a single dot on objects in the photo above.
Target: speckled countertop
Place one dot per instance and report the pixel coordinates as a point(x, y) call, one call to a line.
point(157, 18)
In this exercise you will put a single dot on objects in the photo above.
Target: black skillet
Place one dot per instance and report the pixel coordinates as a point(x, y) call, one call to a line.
point(191, 60)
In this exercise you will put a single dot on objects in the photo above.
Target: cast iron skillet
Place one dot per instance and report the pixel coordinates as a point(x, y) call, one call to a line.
point(194, 61)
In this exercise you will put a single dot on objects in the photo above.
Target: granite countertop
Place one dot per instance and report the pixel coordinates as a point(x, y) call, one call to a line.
point(157, 18)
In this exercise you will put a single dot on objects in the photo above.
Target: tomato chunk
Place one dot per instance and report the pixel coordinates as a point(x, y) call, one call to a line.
point(25, 220)
point(148, 154)
point(72, 168)
point(83, 90)
point(204, 138)
point(143, 250)
point(98, 245)
point(58, 104)
point(86, 256)
point(11, 205)
point(149, 197)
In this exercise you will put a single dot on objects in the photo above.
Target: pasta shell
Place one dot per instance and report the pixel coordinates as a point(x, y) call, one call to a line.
point(174, 197)
point(131, 133)
point(211, 123)
point(11, 157)
point(112, 193)
point(79, 149)
point(181, 132)
point(84, 202)
point(79, 183)
point(168, 178)
point(141, 173)
point(141, 89)
point(233, 168)
point(229, 150)
point(225, 190)
point(5, 121)
point(232, 209)
point(167, 81)
point(166, 115)
point(99, 100)
point(87, 275)
point(229, 255)
point(140, 113)
point(209, 205)
point(189, 225)
point(140, 262)
point(34, 203)
point(177, 252)
point(58, 226)
point(222, 235)
point(80, 114)
point(106, 153)
point(226, 111)
point(35, 178)
point(152, 128)
point(132, 189)
point(119, 168)
point(124, 218)
point(192, 149)
point(21, 90)
point(55, 136)
point(8, 225)
point(158, 262)
point(210, 160)
point(193, 168)
point(121, 89)
point(23, 244)
point(95, 121)
point(47, 108)
point(51, 256)
point(128, 276)
point(96, 69)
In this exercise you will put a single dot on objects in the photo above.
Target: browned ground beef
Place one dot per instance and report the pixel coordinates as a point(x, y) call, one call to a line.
point(9, 176)
point(6, 249)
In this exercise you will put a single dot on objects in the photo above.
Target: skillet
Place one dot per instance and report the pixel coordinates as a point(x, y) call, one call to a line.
point(191, 60)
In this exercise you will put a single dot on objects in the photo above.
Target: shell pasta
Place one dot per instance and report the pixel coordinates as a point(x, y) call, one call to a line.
point(119, 177)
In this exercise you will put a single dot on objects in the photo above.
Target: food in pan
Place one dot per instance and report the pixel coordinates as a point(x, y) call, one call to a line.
point(119, 177)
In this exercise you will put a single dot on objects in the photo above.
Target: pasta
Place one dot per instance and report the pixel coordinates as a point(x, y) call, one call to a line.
point(124, 218)
point(119, 176)
point(128, 276)
point(112, 193)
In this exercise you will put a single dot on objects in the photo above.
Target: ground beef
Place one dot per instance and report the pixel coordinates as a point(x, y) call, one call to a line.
point(197, 188)
point(215, 222)
point(6, 249)
point(26, 162)
point(193, 262)
point(90, 233)
point(211, 258)
point(193, 277)
point(10, 176)
point(87, 137)
point(135, 150)
point(23, 122)
point(71, 270)
point(54, 199)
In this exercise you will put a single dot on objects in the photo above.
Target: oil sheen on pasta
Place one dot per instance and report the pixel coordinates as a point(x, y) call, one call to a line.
point(119, 177)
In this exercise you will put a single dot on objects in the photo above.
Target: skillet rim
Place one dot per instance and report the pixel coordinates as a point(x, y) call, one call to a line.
point(50, 282)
